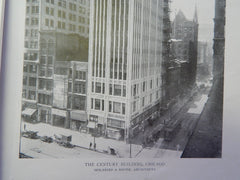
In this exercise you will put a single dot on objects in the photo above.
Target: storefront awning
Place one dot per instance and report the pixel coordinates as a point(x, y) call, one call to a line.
point(29, 112)
point(79, 115)
point(91, 125)
point(113, 129)
point(59, 112)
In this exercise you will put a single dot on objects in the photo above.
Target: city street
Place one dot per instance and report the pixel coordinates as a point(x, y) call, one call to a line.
point(35, 148)
point(188, 115)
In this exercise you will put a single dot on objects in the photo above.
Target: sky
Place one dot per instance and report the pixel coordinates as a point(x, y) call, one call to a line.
point(206, 9)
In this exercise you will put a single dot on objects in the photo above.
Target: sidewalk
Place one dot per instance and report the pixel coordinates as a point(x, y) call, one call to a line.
point(83, 140)
point(102, 144)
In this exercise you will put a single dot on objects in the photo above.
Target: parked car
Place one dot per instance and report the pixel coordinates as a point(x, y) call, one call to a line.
point(64, 140)
point(30, 134)
point(46, 139)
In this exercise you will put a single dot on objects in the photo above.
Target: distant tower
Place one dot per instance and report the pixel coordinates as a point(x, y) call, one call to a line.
point(186, 33)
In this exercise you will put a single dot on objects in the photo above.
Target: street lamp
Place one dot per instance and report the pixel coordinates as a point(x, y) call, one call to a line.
point(130, 142)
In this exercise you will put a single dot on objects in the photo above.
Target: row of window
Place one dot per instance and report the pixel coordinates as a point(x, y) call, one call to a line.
point(45, 84)
point(62, 25)
point(135, 87)
point(117, 107)
point(77, 102)
point(97, 104)
point(144, 101)
point(32, 9)
point(72, 6)
point(116, 90)
point(98, 87)
point(46, 60)
point(114, 107)
point(31, 33)
point(79, 87)
point(33, 22)
point(29, 81)
point(29, 68)
point(46, 72)
point(30, 56)
point(31, 44)
point(29, 94)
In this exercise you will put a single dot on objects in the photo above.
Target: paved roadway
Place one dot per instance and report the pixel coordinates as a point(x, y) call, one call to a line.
point(38, 149)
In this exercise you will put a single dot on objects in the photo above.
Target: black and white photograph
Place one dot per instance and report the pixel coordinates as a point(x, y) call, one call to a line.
point(122, 79)
point(119, 89)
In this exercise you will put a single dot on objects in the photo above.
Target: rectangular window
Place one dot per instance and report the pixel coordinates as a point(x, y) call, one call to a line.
point(134, 106)
point(124, 91)
point(46, 22)
point(32, 81)
point(91, 103)
point(123, 108)
point(102, 105)
point(116, 107)
point(92, 86)
point(52, 23)
point(98, 87)
point(32, 95)
point(134, 90)
point(47, 10)
point(69, 87)
point(110, 106)
point(97, 104)
point(143, 101)
point(144, 87)
point(110, 89)
point(24, 80)
point(25, 68)
point(117, 90)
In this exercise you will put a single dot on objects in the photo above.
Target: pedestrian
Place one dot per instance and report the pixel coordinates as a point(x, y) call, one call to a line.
point(178, 147)
point(24, 127)
point(94, 146)
point(90, 145)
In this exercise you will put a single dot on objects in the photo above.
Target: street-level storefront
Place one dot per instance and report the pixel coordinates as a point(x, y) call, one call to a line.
point(115, 129)
point(78, 120)
point(29, 115)
point(60, 118)
point(44, 115)
point(92, 127)
point(144, 119)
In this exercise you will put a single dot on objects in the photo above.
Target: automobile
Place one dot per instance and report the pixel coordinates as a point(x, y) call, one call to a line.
point(46, 139)
point(30, 134)
point(64, 140)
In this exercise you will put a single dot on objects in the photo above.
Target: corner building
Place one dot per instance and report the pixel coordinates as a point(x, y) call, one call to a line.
point(125, 61)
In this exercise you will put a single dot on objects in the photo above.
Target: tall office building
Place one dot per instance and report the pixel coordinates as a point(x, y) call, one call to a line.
point(55, 30)
point(125, 61)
